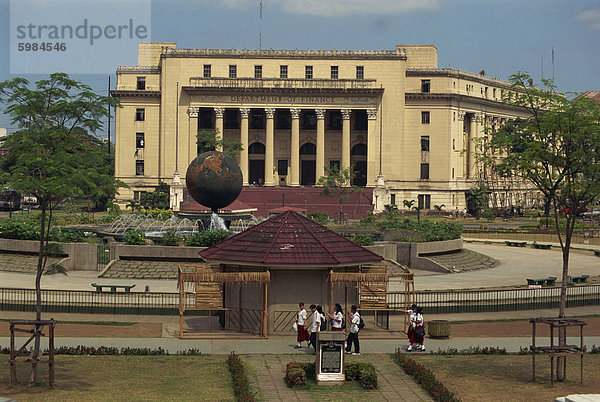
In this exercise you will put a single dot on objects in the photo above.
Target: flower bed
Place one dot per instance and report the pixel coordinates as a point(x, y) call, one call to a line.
point(297, 373)
point(424, 377)
point(241, 384)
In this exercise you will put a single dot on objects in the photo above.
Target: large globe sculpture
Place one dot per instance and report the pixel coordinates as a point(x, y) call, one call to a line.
point(214, 180)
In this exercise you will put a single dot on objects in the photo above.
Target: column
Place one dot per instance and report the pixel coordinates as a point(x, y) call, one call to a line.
point(270, 147)
point(219, 111)
point(320, 171)
point(192, 135)
point(473, 138)
point(345, 138)
point(462, 145)
point(372, 147)
point(295, 149)
point(244, 140)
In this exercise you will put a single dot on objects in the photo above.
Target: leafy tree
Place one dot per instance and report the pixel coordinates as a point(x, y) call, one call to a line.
point(477, 200)
point(408, 203)
point(338, 183)
point(159, 198)
point(51, 154)
point(207, 140)
point(439, 207)
point(557, 149)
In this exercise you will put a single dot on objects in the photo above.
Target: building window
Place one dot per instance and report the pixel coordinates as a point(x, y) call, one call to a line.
point(309, 120)
point(308, 72)
point(257, 118)
point(453, 144)
point(205, 119)
point(283, 71)
point(424, 117)
point(139, 140)
point(335, 164)
point(424, 201)
point(360, 72)
point(139, 168)
point(231, 119)
point(334, 72)
point(393, 199)
point(141, 83)
point(140, 114)
point(256, 148)
point(360, 119)
point(425, 143)
point(232, 71)
point(425, 85)
point(335, 120)
point(136, 196)
point(282, 167)
point(258, 71)
point(424, 171)
point(453, 175)
point(283, 120)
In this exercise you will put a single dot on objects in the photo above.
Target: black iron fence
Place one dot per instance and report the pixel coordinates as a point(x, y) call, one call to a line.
point(158, 303)
point(479, 301)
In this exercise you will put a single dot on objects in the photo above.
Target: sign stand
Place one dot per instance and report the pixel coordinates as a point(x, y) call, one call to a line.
point(330, 357)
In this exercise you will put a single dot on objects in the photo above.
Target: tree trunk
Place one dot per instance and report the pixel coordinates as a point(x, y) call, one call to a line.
point(33, 377)
point(562, 331)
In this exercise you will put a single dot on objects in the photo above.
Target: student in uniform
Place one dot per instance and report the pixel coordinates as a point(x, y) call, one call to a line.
point(301, 323)
point(315, 327)
point(336, 318)
point(354, 319)
point(411, 331)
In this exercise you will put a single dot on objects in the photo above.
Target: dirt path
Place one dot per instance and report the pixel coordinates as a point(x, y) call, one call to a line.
point(139, 330)
point(516, 328)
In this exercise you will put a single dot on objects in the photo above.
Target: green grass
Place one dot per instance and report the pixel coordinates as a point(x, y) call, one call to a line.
point(508, 378)
point(115, 378)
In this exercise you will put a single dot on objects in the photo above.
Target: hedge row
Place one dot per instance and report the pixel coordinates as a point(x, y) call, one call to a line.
point(296, 373)
point(241, 384)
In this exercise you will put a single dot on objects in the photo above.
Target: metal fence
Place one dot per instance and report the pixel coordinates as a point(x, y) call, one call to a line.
point(478, 301)
point(158, 303)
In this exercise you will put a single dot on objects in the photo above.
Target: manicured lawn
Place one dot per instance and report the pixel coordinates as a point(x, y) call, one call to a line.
point(508, 378)
point(106, 378)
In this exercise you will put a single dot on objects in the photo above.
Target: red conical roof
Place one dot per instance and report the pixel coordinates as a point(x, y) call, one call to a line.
point(289, 239)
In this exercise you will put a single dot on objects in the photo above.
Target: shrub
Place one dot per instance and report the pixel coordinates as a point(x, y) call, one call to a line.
point(241, 384)
point(134, 237)
point(425, 377)
point(364, 373)
point(171, 238)
point(362, 239)
point(295, 374)
point(157, 212)
point(473, 350)
point(67, 235)
point(206, 238)
point(320, 217)
point(424, 230)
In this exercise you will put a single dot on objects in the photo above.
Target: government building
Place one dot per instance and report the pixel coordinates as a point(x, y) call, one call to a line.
point(410, 130)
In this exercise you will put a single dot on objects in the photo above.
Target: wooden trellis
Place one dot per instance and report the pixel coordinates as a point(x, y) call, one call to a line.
point(372, 282)
point(206, 282)
point(35, 328)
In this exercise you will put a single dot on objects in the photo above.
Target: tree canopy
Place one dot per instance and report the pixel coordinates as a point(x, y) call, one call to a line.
point(557, 149)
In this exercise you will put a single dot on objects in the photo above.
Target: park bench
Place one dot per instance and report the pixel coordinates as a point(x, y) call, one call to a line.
point(550, 281)
point(541, 246)
point(113, 288)
point(579, 279)
point(515, 243)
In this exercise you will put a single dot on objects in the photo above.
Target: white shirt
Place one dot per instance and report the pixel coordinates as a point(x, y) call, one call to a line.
point(355, 322)
point(301, 317)
point(416, 320)
point(337, 316)
point(316, 322)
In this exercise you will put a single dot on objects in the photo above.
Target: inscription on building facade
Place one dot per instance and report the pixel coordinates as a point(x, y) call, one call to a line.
point(283, 100)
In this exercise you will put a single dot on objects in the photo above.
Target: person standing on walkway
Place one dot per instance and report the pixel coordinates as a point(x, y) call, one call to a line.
point(418, 324)
point(301, 323)
point(336, 318)
point(315, 327)
point(411, 332)
point(354, 319)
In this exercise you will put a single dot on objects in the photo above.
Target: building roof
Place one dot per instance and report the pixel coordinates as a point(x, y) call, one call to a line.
point(595, 95)
point(290, 239)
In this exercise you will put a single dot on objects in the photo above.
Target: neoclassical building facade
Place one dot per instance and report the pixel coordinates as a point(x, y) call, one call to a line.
point(409, 129)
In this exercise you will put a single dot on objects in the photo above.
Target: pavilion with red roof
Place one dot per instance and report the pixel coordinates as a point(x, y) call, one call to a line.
point(282, 261)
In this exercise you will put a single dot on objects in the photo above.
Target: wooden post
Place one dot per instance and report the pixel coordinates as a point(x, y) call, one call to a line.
point(533, 350)
point(240, 306)
point(330, 292)
point(13, 363)
point(51, 353)
point(265, 304)
point(552, 353)
point(346, 306)
point(581, 354)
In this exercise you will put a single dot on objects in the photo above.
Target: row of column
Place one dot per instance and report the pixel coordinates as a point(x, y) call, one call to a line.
point(295, 140)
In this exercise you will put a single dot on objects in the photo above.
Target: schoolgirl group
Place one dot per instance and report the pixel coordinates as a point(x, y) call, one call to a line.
point(319, 323)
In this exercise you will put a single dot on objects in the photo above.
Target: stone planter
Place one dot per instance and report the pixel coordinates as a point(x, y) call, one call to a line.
point(438, 328)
